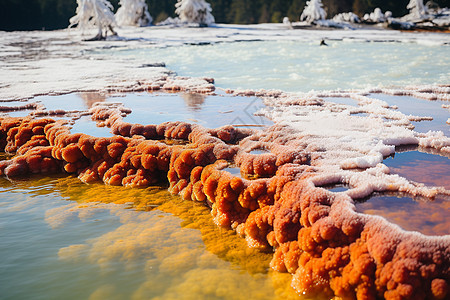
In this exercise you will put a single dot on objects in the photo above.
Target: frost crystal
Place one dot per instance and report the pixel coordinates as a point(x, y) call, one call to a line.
point(94, 13)
point(313, 11)
point(133, 13)
point(194, 11)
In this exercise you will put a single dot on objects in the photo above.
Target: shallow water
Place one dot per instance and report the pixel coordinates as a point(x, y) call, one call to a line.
point(409, 106)
point(86, 125)
point(430, 169)
point(66, 102)
point(209, 111)
point(427, 217)
point(259, 151)
point(62, 239)
point(234, 170)
point(422, 108)
point(336, 188)
point(304, 66)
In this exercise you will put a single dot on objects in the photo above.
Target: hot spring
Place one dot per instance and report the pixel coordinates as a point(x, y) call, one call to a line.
point(62, 238)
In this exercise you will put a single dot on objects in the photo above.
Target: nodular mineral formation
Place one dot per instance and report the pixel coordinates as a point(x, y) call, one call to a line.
point(277, 204)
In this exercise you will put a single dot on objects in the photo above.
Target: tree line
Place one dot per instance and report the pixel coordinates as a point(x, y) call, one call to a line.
point(55, 14)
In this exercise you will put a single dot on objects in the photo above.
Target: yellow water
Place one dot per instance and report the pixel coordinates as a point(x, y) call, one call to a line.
point(62, 239)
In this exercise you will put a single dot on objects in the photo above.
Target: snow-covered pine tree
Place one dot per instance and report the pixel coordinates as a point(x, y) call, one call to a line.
point(94, 13)
point(133, 13)
point(194, 11)
point(313, 11)
point(416, 8)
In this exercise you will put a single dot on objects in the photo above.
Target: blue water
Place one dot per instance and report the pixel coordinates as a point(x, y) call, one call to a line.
point(423, 108)
point(209, 111)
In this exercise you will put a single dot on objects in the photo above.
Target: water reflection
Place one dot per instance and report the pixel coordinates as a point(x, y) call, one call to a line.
point(67, 102)
point(431, 169)
point(86, 125)
point(259, 151)
point(211, 111)
point(420, 107)
point(93, 247)
point(92, 97)
point(193, 101)
point(427, 217)
point(336, 188)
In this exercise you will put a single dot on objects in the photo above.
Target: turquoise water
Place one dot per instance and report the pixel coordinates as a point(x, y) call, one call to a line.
point(304, 66)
